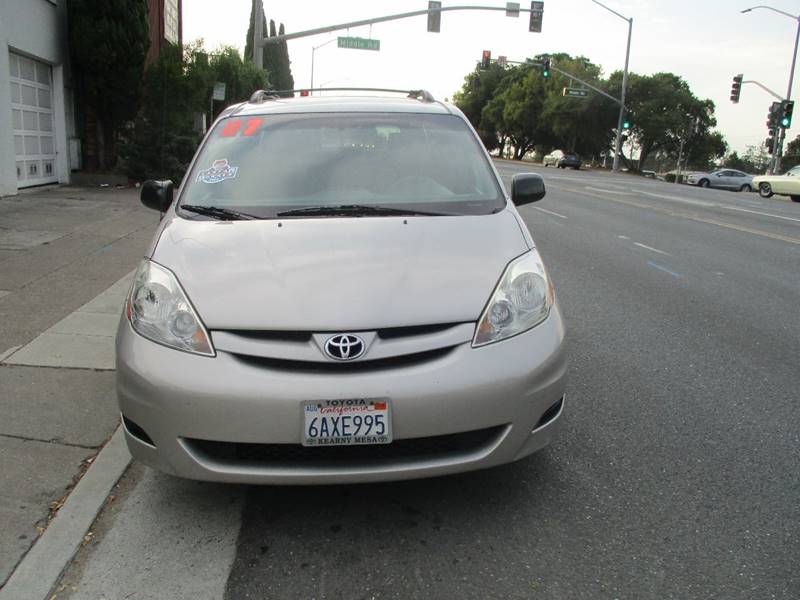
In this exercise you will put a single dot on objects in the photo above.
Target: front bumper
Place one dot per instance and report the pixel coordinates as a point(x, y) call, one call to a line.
point(177, 398)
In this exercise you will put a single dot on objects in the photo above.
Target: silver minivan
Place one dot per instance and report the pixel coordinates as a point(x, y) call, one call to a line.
point(341, 291)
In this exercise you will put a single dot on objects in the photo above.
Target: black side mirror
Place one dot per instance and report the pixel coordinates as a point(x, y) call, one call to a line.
point(157, 194)
point(527, 188)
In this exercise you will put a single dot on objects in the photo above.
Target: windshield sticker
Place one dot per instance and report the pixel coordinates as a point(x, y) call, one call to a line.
point(220, 170)
point(231, 128)
point(253, 125)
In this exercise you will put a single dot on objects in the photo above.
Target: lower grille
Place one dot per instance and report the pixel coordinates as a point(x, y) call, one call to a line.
point(296, 455)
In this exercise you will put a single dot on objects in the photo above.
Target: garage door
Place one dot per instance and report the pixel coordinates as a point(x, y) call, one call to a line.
point(32, 120)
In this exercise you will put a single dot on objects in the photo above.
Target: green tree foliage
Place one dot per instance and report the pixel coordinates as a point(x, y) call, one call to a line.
point(177, 88)
point(792, 156)
point(665, 111)
point(285, 73)
point(480, 86)
point(108, 44)
point(276, 62)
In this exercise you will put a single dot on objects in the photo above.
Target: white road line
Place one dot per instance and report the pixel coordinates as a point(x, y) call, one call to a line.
point(623, 237)
point(594, 189)
point(758, 212)
point(678, 199)
point(651, 249)
point(550, 212)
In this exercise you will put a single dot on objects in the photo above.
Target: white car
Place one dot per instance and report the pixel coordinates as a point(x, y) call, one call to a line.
point(787, 184)
point(726, 179)
point(552, 159)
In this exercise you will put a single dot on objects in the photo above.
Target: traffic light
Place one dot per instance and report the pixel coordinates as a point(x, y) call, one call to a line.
point(774, 115)
point(486, 59)
point(626, 122)
point(434, 18)
point(787, 108)
point(303, 93)
point(546, 67)
point(736, 88)
point(537, 12)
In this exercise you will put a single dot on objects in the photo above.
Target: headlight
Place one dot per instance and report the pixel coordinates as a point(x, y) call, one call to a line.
point(520, 301)
point(159, 310)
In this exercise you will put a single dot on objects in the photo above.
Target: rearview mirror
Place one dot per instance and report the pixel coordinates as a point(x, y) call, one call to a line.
point(157, 194)
point(527, 188)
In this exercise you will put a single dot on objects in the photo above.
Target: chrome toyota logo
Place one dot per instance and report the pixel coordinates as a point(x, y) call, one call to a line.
point(345, 346)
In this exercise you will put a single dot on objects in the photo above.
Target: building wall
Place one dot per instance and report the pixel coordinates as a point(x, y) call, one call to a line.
point(159, 12)
point(36, 29)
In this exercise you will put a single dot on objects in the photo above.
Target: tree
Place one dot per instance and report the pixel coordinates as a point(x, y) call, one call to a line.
point(276, 61)
point(792, 156)
point(176, 89)
point(480, 86)
point(665, 111)
point(108, 44)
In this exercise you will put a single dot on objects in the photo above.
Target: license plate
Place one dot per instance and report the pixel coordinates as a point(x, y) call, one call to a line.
point(348, 422)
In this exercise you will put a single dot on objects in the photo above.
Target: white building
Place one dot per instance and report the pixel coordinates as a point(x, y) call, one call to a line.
point(36, 100)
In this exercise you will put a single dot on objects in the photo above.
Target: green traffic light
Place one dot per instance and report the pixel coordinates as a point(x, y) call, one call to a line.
point(785, 122)
point(545, 73)
point(626, 125)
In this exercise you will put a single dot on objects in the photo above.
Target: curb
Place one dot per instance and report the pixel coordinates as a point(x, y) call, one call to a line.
point(39, 571)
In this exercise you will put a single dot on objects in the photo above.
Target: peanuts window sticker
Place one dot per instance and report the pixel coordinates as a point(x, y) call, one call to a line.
point(220, 170)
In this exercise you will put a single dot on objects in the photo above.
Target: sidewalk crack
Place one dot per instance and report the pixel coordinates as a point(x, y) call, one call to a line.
point(53, 441)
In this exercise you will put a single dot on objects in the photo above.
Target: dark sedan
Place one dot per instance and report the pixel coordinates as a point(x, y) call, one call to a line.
point(570, 160)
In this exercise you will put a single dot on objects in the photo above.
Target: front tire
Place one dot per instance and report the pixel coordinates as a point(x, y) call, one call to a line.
point(704, 183)
point(746, 188)
point(765, 190)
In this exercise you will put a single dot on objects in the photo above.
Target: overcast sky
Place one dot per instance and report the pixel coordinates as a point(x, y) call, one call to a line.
point(704, 41)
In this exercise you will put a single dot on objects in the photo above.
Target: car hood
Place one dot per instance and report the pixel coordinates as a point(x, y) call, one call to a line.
point(334, 274)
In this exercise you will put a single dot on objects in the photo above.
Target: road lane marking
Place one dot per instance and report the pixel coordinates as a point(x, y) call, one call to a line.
point(758, 212)
point(651, 249)
point(679, 199)
point(550, 212)
point(609, 191)
point(689, 217)
point(665, 269)
point(623, 237)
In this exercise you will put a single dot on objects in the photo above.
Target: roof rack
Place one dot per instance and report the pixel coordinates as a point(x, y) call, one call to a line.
point(264, 95)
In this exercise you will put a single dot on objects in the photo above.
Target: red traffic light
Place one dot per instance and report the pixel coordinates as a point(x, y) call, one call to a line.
point(303, 93)
point(486, 59)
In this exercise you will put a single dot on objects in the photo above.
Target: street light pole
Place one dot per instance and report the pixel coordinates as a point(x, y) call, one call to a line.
point(782, 132)
point(313, 50)
point(618, 142)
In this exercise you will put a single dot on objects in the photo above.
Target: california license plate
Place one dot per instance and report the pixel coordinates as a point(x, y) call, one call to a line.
point(346, 422)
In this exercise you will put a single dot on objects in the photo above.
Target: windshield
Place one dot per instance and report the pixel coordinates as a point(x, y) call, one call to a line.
point(272, 164)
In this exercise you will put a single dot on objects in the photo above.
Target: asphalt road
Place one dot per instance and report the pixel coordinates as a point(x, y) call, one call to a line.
point(676, 474)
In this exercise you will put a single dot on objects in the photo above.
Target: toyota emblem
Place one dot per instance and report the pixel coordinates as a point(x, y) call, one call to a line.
point(345, 346)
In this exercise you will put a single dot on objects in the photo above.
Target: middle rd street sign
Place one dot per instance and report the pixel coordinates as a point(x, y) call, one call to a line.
point(575, 92)
point(357, 43)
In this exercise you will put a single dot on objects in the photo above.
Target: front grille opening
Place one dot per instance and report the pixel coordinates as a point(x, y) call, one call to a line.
point(303, 366)
point(391, 333)
point(550, 413)
point(272, 335)
point(297, 455)
point(136, 431)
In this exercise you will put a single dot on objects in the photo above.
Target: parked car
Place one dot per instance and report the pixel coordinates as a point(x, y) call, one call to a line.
point(725, 179)
point(571, 160)
point(376, 310)
point(551, 160)
point(787, 184)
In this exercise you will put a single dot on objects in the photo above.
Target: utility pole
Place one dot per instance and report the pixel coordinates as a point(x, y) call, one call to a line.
point(258, 35)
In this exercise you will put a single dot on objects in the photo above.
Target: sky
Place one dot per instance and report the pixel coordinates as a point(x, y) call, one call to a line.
point(706, 42)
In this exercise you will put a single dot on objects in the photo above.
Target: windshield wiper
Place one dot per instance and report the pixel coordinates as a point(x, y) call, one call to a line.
point(223, 214)
point(355, 210)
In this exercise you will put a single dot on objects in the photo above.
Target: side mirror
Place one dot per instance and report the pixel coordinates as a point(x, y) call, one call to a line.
point(157, 194)
point(527, 188)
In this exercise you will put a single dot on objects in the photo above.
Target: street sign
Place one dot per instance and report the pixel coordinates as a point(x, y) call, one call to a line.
point(502, 61)
point(219, 91)
point(434, 18)
point(512, 9)
point(357, 43)
point(537, 14)
point(575, 92)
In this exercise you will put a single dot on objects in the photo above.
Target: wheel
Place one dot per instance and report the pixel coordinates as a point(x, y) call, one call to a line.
point(704, 183)
point(795, 198)
point(577, 168)
point(544, 164)
point(764, 190)
point(746, 188)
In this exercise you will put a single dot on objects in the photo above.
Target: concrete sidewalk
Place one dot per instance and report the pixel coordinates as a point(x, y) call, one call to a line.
point(65, 258)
